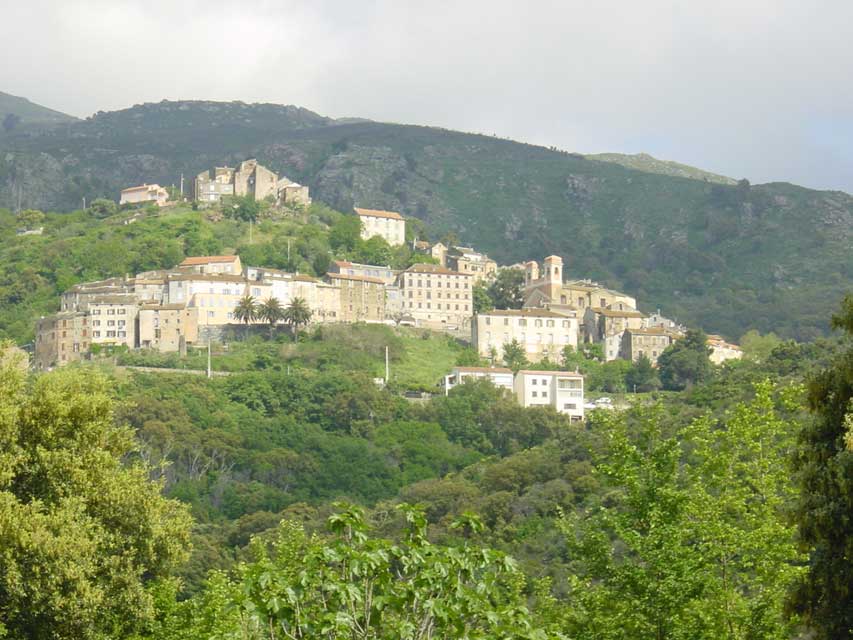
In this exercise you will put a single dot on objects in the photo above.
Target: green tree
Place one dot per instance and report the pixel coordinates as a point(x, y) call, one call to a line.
point(30, 218)
point(374, 250)
point(354, 586)
point(694, 540)
point(685, 362)
point(103, 208)
point(85, 534)
point(642, 376)
point(244, 208)
point(246, 311)
point(345, 233)
point(481, 299)
point(758, 347)
point(514, 355)
point(271, 312)
point(824, 465)
point(507, 289)
point(297, 314)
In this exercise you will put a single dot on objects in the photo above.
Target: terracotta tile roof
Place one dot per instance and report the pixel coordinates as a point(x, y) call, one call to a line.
point(177, 306)
point(434, 268)
point(551, 373)
point(346, 276)
point(304, 278)
point(195, 260)
point(393, 215)
point(525, 313)
point(613, 313)
point(211, 277)
point(482, 370)
point(650, 331)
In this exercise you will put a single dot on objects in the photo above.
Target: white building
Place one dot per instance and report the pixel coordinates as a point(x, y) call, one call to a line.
point(386, 224)
point(542, 332)
point(722, 350)
point(559, 389)
point(145, 193)
point(500, 377)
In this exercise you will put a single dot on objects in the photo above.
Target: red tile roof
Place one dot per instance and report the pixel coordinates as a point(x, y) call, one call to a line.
point(378, 214)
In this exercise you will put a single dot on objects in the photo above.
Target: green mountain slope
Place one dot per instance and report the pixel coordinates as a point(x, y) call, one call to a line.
point(726, 257)
point(29, 112)
point(650, 164)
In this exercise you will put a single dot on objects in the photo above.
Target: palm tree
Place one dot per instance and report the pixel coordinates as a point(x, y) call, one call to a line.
point(296, 315)
point(271, 311)
point(246, 311)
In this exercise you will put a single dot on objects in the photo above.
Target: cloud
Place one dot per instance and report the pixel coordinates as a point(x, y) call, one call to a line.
point(754, 89)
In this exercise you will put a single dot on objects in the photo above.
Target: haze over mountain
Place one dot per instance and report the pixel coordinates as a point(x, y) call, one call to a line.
point(728, 257)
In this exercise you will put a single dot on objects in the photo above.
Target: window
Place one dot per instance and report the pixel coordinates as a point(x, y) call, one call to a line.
point(537, 323)
point(535, 394)
point(96, 334)
point(522, 322)
point(569, 406)
point(533, 381)
point(602, 302)
point(549, 323)
point(506, 322)
point(111, 334)
point(544, 394)
point(111, 312)
point(488, 321)
point(122, 334)
point(111, 323)
point(122, 312)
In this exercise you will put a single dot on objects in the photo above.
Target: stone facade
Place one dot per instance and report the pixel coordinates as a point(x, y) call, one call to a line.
point(362, 299)
point(605, 327)
point(61, 339)
point(649, 342)
point(249, 179)
point(466, 260)
point(437, 297)
point(386, 274)
point(542, 333)
point(168, 327)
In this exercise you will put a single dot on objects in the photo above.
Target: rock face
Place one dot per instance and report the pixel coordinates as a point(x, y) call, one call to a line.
point(725, 254)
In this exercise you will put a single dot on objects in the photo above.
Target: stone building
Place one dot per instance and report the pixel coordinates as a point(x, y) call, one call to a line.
point(212, 264)
point(385, 224)
point(113, 320)
point(649, 342)
point(249, 179)
point(437, 297)
point(605, 327)
point(144, 194)
point(467, 260)
point(167, 327)
point(362, 299)
point(543, 333)
point(61, 339)
point(386, 274)
point(547, 289)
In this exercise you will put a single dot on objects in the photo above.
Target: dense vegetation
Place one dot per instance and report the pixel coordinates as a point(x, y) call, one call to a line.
point(725, 257)
point(668, 520)
point(103, 241)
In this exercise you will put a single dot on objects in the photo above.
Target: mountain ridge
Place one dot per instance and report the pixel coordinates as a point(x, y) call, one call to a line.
point(770, 257)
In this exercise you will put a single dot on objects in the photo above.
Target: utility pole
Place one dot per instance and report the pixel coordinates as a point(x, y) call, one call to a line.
point(387, 369)
point(209, 369)
point(182, 186)
point(288, 252)
point(84, 203)
point(250, 231)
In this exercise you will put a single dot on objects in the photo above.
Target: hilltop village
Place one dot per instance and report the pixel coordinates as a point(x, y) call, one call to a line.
point(205, 299)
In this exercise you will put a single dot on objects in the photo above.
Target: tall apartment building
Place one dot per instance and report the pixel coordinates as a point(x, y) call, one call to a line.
point(385, 224)
point(543, 333)
point(437, 297)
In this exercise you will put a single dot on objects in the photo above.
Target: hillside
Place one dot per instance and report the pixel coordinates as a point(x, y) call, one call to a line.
point(650, 164)
point(29, 112)
point(726, 257)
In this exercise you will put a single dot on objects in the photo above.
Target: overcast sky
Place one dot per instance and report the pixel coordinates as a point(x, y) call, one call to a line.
point(748, 88)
